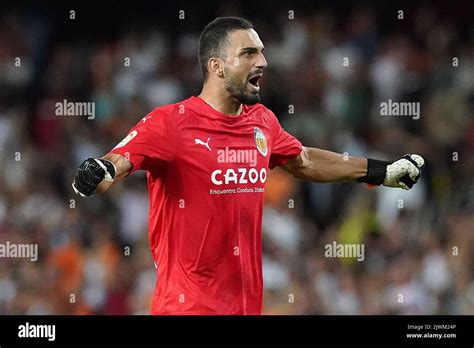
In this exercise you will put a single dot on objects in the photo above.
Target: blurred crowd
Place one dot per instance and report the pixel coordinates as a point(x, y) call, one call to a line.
point(93, 253)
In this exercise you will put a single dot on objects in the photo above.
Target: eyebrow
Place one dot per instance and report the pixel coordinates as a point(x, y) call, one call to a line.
point(250, 49)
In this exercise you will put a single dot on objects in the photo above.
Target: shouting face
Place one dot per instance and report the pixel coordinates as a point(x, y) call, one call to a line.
point(244, 63)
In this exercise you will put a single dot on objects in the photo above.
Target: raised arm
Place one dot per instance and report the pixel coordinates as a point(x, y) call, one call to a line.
point(325, 166)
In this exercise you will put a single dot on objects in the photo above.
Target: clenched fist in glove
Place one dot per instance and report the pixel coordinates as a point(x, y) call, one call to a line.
point(402, 173)
point(90, 174)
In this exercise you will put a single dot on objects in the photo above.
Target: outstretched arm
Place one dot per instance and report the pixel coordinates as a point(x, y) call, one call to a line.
point(325, 166)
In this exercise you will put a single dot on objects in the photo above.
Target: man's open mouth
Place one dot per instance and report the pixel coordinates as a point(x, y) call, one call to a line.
point(254, 80)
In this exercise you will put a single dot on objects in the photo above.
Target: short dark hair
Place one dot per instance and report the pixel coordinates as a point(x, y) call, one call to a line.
point(214, 36)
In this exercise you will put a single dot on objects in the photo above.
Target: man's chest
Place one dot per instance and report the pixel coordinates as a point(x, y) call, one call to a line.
point(225, 157)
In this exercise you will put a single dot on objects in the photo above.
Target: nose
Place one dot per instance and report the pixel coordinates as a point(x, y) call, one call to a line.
point(261, 61)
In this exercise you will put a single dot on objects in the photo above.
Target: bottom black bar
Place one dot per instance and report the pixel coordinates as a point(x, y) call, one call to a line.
point(451, 331)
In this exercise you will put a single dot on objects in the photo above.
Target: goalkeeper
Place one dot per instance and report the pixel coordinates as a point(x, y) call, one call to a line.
point(206, 209)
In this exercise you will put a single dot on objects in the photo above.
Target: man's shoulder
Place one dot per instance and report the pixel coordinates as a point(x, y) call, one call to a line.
point(170, 109)
point(256, 107)
point(261, 111)
point(171, 112)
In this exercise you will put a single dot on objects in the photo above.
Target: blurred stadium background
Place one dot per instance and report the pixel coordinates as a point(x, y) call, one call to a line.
point(423, 250)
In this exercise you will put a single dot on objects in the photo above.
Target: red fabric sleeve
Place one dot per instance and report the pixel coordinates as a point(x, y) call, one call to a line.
point(151, 142)
point(285, 146)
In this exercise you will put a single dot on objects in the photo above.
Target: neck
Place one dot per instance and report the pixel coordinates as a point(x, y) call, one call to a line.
point(221, 100)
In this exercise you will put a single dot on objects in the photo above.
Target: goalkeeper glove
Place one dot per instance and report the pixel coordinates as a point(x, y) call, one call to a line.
point(90, 173)
point(402, 173)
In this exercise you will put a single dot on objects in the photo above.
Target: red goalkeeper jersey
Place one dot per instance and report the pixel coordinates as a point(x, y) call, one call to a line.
point(206, 176)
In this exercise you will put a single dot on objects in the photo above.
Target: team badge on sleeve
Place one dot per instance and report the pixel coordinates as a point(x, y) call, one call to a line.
point(260, 141)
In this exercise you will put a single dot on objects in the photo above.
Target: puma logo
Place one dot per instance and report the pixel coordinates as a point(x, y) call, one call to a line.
point(200, 142)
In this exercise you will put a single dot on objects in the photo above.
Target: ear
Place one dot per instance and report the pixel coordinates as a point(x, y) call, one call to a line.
point(216, 66)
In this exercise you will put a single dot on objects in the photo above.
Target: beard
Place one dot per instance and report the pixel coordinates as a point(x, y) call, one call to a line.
point(238, 89)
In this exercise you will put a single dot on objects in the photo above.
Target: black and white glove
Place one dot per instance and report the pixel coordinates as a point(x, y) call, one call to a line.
point(401, 173)
point(90, 173)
